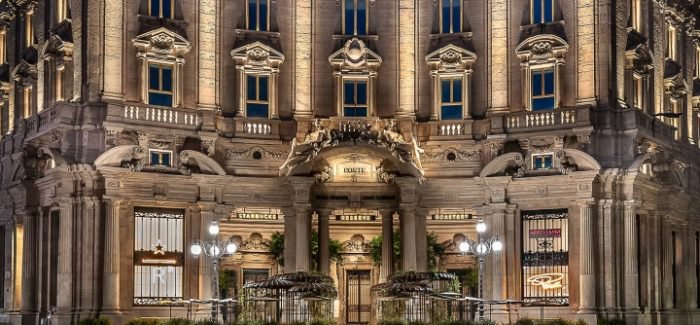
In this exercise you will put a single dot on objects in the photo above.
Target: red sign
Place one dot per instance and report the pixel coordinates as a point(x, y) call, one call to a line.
point(545, 233)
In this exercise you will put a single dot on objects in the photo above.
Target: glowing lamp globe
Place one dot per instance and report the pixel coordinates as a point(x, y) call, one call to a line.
point(464, 247)
point(497, 246)
point(231, 248)
point(214, 229)
point(196, 250)
point(481, 227)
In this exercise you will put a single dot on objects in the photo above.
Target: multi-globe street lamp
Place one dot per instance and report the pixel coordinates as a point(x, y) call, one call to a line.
point(215, 249)
point(481, 248)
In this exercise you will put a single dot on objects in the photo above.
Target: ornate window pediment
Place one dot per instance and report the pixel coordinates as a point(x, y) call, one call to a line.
point(542, 49)
point(451, 58)
point(161, 55)
point(542, 60)
point(258, 67)
point(355, 72)
point(450, 71)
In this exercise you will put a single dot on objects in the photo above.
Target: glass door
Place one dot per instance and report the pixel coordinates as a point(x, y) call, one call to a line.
point(357, 297)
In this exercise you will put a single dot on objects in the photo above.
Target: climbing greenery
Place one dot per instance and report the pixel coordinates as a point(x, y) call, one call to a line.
point(375, 249)
point(276, 247)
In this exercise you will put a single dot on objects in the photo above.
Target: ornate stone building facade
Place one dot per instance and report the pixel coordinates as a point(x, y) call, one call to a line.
point(570, 127)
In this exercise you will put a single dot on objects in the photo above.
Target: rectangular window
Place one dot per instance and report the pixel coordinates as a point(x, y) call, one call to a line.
point(638, 90)
point(258, 15)
point(27, 102)
point(28, 30)
point(451, 16)
point(160, 157)
point(161, 8)
point(636, 14)
point(542, 11)
point(158, 255)
point(355, 20)
point(671, 39)
point(545, 257)
point(451, 99)
point(257, 99)
point(355, 98)
point(160, 85)
point(542, 162)
point(543, 90)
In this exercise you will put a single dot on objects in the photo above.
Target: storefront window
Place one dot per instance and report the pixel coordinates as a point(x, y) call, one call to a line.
point(158, 255)
point(545, 257)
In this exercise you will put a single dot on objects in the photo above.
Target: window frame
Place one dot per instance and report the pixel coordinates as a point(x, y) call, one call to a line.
point(171, 92)
point(355, 105)
point(451, 18)
point(451, 79)
point(355, 15)
point(161, 153)
point(257, 15)
point(543, 71)
point(542, 19)
point(257, 100)
point(160, 9)
point(534, 158)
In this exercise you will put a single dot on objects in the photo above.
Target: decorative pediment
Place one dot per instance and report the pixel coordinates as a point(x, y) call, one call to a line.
point(257, 54)
point(126, 156)
point(639, 56)
point(451, 57)
point(355, 55)
point(25, 74)
point(542, 48)
point(676, 87)
point(162, 42)
point(57, 47)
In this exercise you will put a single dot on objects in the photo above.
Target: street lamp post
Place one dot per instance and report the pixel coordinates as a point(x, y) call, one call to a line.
point(481, 248)
point(215, 250)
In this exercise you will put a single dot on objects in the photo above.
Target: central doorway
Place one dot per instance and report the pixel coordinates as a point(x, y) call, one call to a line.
point(357, 297)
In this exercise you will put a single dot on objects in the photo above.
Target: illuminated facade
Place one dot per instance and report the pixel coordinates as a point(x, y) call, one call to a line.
point(570, 127)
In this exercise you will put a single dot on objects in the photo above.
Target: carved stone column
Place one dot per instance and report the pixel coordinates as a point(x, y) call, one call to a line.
point(112, 250)
point(324, 242)
point(586, 272)
point(205, 265)
point(498, 260)
point(413, 248)
point(631, 262)
point(667, 264)
point(64, 289)
point(143, 78)
point(242, 96)
point(290, 242)
point(387, 266)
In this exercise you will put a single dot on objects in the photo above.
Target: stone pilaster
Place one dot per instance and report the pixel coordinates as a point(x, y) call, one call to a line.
point(387, 266)
point(631, 262)
point(413, 243)
point(499, 54)
point(498, 259)
point(407, 59)
point(30, 242)
point(585, 52)
point(303, 240)
point(586, 263)
point(666, 265)
point(303, 59)
point(290, 235)
point(208, 52)
point(324, 242)
point(114, 50)
point(65, 259)
point(111, 293)
point(407, 222)
point(205, 265)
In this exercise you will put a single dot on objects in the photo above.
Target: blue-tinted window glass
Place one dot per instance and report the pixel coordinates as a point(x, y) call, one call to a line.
point(536, 84)
point(167, 81)
point(355, 111)
point(349, 17)
point(155, 159)
point(539, 104)
point(445, 91)
point(361, 93)
point(451, 112)
point(252, 87)
point(258, 110)
point(160, 99)
point(167, 8)
point(263, 15)
point(349, 91)
point(361, 17)
point(536, 11)
point(262, 90)
point(165, 158)
point(542, 162)
point(155, 8)
point(252, 15)
point(446, 9)
point(153, 77)
point(548, 10)
point(456, 90)
point(549, 82)
point(456, 16)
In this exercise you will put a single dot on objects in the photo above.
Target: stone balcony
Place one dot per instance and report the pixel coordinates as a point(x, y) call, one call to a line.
point(155, 116)
point(567, 117)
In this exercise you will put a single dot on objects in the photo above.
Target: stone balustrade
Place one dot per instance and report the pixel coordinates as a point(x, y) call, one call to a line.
point(165, 115)
point(547, 119)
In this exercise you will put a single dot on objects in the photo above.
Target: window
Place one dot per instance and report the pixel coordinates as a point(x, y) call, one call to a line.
point(542, 90)
point(258, 15)
point(636, 14)
point(160, 157)
point(451, 99)
point(542, 161)
point(545, 257)
point(542, 11)
point(671, 39)
point(637, 92)
point(355, 17)
point(161, 8)
point(257, 102)
point(158, 255)
point(160, 85)
point(62, 9)
point(28, 29)
point(355, 98)
point(450, 16)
